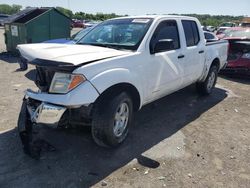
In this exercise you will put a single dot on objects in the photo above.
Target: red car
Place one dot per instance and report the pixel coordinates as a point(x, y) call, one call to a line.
point(77, 23)
point(239, 51)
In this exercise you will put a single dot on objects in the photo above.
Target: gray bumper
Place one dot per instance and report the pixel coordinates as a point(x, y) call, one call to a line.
point(46, 113)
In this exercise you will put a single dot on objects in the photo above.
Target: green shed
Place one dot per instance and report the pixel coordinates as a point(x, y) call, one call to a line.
point(34, 25)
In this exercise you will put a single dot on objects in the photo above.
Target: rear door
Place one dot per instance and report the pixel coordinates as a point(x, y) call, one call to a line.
point(194, 52)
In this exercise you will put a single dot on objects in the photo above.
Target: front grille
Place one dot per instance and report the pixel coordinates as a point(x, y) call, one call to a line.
point(44, 78)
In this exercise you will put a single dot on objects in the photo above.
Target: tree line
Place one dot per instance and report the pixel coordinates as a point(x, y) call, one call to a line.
point(205, 19)
point(86, 16)
point(215, 20)
point(9, 9)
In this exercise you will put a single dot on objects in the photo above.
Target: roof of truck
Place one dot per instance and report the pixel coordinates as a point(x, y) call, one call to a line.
point(156, 16)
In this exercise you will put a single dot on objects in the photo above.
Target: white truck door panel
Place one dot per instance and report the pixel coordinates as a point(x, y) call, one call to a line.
point(194, 52)
point(167, 73)
point(164, 66)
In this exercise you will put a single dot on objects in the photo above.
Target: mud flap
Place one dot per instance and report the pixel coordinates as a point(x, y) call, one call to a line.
point(31, 146)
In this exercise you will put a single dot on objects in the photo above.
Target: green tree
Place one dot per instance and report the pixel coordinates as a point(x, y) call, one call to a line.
point(16, 8)
point(65, 11)
point(214, 20)
point(8, 9)
point(98, 16)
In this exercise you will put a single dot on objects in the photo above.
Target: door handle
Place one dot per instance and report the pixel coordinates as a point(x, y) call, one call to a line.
point(202, 51)
point(181, 56)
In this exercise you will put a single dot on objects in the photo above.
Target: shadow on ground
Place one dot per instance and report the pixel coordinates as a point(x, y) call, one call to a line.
point(9, 57)
point(79, 162)
point(243, 79)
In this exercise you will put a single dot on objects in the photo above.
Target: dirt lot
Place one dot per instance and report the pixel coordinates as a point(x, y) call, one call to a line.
point(182, 140)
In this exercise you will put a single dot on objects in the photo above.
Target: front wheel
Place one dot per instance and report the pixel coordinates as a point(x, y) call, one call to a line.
point(206, 87)
point(112, 119)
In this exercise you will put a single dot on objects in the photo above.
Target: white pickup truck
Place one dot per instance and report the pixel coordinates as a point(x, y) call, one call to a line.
point(121, 65)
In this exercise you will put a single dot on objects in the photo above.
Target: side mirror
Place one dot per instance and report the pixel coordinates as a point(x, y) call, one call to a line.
point(162, 46)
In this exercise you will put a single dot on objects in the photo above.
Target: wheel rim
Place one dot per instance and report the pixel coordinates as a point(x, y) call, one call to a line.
point(211, 81)
point(121, 119)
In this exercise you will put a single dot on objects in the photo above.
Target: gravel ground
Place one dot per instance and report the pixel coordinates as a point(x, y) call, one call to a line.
point(182, 140)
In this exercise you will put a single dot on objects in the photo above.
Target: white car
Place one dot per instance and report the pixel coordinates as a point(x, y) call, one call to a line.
point(211, 28)
point(225, 26)
point(117, 68)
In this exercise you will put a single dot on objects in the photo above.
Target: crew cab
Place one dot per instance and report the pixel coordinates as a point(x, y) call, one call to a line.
point(114, 70)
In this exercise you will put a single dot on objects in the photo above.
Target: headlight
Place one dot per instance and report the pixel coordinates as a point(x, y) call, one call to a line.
point(246, 56)
point(63, 82)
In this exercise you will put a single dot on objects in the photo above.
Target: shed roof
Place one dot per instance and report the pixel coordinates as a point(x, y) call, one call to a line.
point(29, 13)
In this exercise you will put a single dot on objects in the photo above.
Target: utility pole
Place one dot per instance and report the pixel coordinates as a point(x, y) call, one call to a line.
point(68, 5)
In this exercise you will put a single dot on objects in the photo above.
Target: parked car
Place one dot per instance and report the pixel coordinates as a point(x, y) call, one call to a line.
point(204, 28)
point(229, 31)
point(210, 37)
point(3, 18)
point(91, 24)
point(239, 52)
point(77, 23)
point(245, 24)
point(118, 67)
point(74, 38)
point(225, 26)
point(211, 28)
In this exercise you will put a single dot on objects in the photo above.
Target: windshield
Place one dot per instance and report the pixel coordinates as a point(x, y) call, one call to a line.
point(235, 33)
point(228, 24)
point(81, 34)
point(119, 33)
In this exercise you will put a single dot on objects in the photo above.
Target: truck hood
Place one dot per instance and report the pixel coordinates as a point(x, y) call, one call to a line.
point(73, 54)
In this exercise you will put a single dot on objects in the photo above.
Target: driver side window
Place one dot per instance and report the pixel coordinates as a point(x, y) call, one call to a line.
point(166, 30)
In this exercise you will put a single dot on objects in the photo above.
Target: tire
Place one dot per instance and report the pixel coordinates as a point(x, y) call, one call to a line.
point(112, 117)
point(206, 87)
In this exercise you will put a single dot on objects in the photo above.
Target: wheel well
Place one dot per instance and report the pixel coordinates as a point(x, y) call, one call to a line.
point(216, 62)
point(118, 88)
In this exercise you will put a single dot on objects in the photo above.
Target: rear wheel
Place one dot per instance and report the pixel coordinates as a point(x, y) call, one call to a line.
point(111, 120)
point(206, 87)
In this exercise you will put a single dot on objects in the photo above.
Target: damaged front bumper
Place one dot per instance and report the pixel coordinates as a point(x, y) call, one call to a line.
point(53, 110)
point(46, 113)
point(31, 146)
point(42, 112)
point(83, 95)
point(48, 108)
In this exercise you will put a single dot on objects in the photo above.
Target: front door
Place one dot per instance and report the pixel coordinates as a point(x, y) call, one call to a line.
point(165, 66)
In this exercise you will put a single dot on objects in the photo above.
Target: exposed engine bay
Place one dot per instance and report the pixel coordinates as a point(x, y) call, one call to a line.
point(238, 48)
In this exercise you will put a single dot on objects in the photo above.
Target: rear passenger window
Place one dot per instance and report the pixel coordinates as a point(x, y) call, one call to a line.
point(167, 30)
point(191, 32)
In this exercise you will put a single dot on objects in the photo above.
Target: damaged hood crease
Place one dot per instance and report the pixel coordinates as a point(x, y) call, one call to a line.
point(65, 54)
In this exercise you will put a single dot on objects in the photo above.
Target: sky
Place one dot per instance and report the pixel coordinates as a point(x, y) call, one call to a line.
point(140, 7)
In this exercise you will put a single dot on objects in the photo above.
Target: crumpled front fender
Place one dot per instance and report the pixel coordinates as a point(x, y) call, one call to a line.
point(84, 94)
